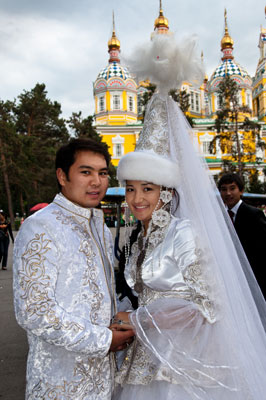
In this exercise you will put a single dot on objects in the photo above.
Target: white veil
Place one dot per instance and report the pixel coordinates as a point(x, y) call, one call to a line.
point(225, 359)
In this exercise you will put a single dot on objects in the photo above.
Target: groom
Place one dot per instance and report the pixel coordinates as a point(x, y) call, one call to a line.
point(64, 289)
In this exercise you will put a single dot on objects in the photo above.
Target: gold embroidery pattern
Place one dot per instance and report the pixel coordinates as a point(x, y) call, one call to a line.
point(35, 284)
point(91, 383)
point(91, 273)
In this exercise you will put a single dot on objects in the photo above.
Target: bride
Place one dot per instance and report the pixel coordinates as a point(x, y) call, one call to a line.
point(201, 316)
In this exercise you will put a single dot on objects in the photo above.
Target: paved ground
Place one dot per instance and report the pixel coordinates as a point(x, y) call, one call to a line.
point(13, 341)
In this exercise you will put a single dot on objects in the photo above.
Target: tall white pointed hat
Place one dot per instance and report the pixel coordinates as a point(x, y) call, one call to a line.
point(167, 63)
point(151, 159)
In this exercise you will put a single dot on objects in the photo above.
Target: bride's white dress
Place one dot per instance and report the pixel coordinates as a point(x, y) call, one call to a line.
point(181, 349)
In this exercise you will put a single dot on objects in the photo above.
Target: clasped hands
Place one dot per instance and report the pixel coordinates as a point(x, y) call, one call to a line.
point(123, 333)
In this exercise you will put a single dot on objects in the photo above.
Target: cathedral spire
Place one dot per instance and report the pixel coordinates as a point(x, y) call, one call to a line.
point(161, 24)
point(227, 42)
point(114, 45)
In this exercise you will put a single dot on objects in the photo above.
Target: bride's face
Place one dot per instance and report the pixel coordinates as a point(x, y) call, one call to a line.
point(142, 197)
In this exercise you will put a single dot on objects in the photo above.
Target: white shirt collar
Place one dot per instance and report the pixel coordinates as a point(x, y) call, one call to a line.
point(236, 207)
point(62, 201)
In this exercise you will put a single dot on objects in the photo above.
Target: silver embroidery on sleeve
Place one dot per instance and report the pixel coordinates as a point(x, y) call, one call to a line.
point(35, 284)
point(90, 276)
point(90, 384)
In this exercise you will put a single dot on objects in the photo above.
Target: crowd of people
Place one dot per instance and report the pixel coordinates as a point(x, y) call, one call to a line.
point(195, 326)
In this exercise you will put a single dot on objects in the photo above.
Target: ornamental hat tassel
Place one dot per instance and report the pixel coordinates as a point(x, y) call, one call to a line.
point(167, 64)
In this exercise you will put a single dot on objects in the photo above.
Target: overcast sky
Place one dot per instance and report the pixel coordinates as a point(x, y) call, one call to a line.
point(63, 43)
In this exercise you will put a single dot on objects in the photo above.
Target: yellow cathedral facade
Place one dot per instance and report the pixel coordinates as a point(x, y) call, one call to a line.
point(117, 108)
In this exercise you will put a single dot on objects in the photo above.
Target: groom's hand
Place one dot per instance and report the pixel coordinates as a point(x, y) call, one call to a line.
point(121, 339)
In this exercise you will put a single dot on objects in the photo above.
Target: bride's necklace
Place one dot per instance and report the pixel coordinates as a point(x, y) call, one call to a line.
point(146, 244)
point(155, 234)
point(142, 247)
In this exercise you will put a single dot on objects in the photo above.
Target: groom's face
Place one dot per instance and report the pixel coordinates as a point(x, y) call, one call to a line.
point(87, 179)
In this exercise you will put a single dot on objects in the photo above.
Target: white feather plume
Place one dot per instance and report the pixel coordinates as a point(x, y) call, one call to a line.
point(167, 62)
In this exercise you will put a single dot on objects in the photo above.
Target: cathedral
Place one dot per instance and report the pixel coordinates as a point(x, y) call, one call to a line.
point(118, 111)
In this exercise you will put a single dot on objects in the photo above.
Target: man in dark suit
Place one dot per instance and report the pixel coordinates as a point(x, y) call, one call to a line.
point(249, 222)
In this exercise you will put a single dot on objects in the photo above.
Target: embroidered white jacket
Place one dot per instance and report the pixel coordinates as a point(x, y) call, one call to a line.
point(64, 298)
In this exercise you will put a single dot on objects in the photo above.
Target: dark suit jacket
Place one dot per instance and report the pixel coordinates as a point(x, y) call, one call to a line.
point(250, 225)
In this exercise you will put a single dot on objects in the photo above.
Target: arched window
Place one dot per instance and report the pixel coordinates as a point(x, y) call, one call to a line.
point(130, 103)
point(101, 103)
point(116, 102)
point(118, 146)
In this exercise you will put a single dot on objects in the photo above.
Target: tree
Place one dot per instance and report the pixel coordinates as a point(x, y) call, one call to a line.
point(145, 98)
point(8, 142)
point(83, 127)
point(254, 185)
point(41, 131)
point(237, 135)
point(182, 98)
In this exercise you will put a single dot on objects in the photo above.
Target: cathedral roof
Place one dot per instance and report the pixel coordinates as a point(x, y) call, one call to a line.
point(112, 70)
point(229, 67)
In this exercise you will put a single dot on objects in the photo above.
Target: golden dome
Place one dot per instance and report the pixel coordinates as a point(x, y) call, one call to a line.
point(161, 21)
point(145, 83)
point(227, 41)
point(114, 42)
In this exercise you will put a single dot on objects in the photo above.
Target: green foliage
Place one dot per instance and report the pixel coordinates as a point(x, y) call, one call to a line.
point(228, 125)
point(83, 127)
point(8, 146)
point(254, 185)
point(145, 98)
point(31, 133)
point(113, 182)
point(182, 98)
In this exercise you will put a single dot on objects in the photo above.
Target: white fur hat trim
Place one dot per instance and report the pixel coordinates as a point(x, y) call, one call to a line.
point(147, 166)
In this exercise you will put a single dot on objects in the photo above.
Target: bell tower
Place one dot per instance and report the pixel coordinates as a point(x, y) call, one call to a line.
point(259, 91)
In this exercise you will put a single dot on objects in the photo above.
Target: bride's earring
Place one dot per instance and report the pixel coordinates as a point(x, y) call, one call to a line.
point(159, 216)
point(166, 196)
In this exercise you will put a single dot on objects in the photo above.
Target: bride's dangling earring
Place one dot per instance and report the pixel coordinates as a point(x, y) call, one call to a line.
point(161, 217)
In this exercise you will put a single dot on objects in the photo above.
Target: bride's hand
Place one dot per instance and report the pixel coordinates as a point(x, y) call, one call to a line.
point(122, 316)
point(121, 321)
point(120, 327)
